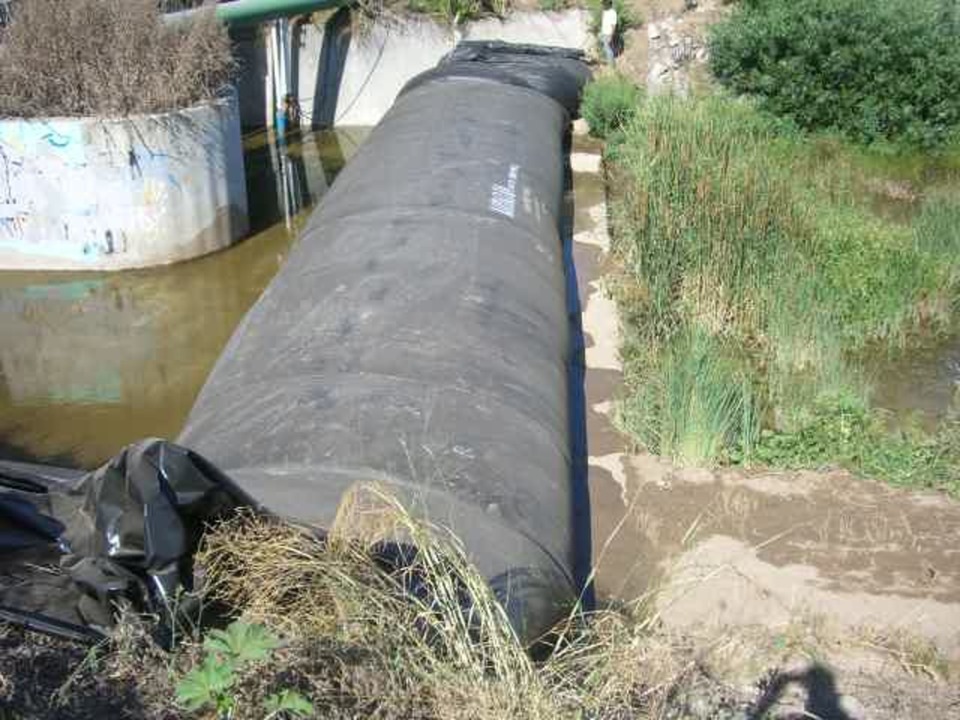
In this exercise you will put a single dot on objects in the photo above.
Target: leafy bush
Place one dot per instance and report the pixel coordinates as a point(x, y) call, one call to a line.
point(609, 103)
point(873, 69)
point(108, 57)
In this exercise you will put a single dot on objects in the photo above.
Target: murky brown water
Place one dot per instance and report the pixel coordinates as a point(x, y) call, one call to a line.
point(922, 385)
point(92, 361)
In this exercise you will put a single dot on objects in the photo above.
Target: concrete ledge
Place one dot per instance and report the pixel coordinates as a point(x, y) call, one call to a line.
point(345, 77)
point(113, 193)
point(379, 64)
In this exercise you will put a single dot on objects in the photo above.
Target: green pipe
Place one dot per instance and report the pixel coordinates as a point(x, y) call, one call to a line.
point(245, 12)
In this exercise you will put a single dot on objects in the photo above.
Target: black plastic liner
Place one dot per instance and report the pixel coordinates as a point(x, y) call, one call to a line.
point(74, 544)
point(422, 334)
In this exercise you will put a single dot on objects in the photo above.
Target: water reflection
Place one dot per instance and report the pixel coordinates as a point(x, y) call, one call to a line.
point(91, 361)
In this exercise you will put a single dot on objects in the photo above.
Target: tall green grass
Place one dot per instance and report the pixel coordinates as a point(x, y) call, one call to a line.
point(694, 401)
point(752, 276)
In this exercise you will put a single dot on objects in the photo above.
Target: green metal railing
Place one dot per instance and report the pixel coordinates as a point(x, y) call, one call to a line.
point(250, 12)
point(242, 12)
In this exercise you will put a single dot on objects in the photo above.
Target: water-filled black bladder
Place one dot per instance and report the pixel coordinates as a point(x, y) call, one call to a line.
point(418, 334)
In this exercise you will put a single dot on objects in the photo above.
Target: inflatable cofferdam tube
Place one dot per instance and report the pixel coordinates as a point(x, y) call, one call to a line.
point(417, 336)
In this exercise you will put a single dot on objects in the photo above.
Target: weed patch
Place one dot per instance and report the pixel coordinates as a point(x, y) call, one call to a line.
point(843, 431)
point(608, 104)
point(693, 401)
point(211, 685)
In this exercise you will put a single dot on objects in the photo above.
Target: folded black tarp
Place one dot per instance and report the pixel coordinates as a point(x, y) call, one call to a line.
point(417, 336)
point(73, 545)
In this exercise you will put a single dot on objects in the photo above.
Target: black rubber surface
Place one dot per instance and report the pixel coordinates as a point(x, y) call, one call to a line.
point(418, 335)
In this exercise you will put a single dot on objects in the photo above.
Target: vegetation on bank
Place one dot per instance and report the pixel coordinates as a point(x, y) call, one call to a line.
point(609, 104)
point(108, 57)
point(338, 628)
point(456, 11)
point(754, 276)
point(876, 70)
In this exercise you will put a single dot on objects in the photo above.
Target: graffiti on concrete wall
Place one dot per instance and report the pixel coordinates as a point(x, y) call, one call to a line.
point(113, 193)
point(19, 142)
point(76, 190)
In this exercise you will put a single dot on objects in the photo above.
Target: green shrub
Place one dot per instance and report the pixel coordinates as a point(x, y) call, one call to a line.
point(609, 103)
point(873, 69)
point(843, 431)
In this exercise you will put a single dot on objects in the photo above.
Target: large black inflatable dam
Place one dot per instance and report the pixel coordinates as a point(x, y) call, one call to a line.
point(422, 335)
point(418, 334)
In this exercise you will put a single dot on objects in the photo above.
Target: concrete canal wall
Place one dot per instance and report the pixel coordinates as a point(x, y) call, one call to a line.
point(345, 76)
point(116, 193)
point(107, 194)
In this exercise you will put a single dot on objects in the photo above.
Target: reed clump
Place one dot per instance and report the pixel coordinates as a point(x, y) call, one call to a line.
point(752, 278)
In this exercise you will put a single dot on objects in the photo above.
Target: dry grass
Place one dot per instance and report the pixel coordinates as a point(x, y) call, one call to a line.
point(425, 618)
point(108, 57)
point(370, 628)
point(916, 656)
point(373, 629)
point(429, 627)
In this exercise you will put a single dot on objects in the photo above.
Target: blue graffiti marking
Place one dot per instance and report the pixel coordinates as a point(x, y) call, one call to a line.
point(56, 139)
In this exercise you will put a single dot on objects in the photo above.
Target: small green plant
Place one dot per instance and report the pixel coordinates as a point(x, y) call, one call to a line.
point(288, 703)
point(212, 685)
point(609, 103)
